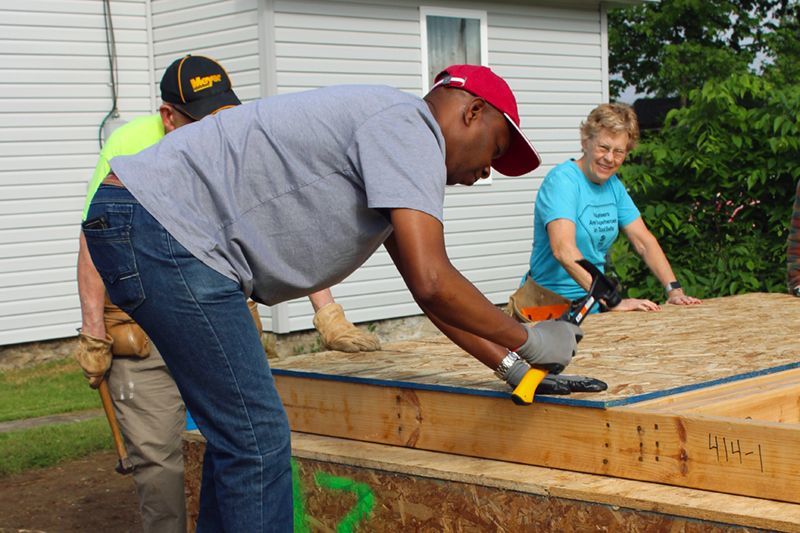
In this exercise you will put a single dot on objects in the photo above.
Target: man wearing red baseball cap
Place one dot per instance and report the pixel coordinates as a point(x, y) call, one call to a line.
point(521, 157)
point(280, 197)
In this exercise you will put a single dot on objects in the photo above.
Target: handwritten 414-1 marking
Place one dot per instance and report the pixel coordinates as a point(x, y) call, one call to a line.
point(730, 450)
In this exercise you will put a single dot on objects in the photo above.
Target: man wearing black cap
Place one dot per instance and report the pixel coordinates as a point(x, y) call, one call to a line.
point(147, 402)
point(276, 199)
point(148, 405)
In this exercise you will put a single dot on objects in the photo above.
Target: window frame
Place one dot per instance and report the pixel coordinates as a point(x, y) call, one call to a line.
point(426, 11)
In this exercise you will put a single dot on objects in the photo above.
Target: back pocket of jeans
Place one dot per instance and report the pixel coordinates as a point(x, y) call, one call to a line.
point(112, 254)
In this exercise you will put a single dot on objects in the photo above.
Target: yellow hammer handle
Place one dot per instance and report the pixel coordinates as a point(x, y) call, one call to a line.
point(523, 394)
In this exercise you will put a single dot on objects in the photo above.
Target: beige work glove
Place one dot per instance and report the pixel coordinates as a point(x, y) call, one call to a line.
point(339, 334)
point(94, 356)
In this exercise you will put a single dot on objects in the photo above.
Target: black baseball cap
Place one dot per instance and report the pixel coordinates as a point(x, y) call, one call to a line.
point(197, 86)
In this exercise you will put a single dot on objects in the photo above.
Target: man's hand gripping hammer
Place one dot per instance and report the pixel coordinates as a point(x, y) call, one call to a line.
point(601, 289)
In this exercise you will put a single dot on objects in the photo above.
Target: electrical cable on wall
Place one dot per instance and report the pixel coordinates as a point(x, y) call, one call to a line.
point(111, 51)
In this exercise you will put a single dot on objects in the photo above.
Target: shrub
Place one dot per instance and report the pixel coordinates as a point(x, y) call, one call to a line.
point(715, 186)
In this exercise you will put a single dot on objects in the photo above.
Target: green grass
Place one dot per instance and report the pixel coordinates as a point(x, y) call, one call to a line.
point(47, 389)
point(49, 445)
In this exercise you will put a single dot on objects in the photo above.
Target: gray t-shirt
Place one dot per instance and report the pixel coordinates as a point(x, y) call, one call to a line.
point(287, 195)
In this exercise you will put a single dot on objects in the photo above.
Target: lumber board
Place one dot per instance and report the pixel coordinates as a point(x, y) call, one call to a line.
point(728, 455)
point(774, 397)
point(641, 356)
point(703, 397)
point(416, 489)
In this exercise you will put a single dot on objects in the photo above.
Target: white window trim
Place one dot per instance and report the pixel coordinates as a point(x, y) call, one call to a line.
point(425, 11)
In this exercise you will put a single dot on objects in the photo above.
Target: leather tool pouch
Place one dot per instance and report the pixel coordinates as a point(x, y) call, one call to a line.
point(129, 339)
point(532, 303)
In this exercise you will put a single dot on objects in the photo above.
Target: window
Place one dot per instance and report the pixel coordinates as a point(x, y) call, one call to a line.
point(451, 36)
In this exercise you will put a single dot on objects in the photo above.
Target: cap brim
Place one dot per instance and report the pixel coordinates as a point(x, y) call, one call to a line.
point(521, 157)
point(208, 106)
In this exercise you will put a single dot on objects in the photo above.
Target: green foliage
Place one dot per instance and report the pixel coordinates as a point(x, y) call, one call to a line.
point(50, 445)
point(715, 186)
point(51, 388)
point(670, 47)
point(783, 62)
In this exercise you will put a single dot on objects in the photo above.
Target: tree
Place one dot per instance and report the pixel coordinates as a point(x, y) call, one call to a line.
point(673, 46)
point(783, 44)
point(715, 186)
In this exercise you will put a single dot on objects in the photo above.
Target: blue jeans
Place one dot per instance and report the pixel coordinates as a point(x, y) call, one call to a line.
point(199, 320)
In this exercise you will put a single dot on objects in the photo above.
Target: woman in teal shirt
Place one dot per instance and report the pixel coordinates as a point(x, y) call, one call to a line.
point(582, 205)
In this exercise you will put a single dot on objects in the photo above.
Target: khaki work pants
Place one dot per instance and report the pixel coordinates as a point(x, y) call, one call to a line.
point(152, 418)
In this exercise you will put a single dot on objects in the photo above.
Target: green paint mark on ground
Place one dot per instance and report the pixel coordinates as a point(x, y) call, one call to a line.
point(365, 500)
point(298, 507)
point(364, 504)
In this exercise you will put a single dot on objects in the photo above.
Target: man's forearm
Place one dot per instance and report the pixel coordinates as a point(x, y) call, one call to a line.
point(459, 305)
point(487, 352)
point(442, 291)
point(91, 292)
point(320, 299)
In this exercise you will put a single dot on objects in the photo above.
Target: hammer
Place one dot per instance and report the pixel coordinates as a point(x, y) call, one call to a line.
point(124, 466)
point(600, 289)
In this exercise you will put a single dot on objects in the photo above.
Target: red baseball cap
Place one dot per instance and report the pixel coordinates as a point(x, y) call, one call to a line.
point(521, 157)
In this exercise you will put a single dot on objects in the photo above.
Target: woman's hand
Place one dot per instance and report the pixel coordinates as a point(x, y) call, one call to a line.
point(635, 304)
point(677, 297)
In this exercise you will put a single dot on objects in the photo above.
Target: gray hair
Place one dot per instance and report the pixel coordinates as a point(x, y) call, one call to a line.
point(616, 118)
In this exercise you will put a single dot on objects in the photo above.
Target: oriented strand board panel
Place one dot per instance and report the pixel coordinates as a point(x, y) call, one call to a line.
point(640, 355)
point(429, 395)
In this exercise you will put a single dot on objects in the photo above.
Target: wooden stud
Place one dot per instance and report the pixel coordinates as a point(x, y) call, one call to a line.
point(726, 455)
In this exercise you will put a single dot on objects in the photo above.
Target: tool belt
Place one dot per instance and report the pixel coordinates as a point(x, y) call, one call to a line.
point(532, 303)
point(129, 338)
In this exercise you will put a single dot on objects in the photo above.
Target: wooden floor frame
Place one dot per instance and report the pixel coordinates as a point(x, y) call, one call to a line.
point(741, 437)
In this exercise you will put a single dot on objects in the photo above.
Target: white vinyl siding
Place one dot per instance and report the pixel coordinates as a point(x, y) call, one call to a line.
point(54, 92)
point(225, 30)
point(551, 57)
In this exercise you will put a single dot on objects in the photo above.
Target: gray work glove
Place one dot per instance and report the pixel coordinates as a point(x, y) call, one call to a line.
point(551, 344)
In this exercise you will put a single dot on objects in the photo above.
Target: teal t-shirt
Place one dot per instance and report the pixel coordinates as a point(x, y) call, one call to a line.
point(598, 211)
point(128, 139)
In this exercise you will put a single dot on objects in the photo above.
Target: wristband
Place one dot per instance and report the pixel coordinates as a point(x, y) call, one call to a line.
point(671, 286)
point(507, 362)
